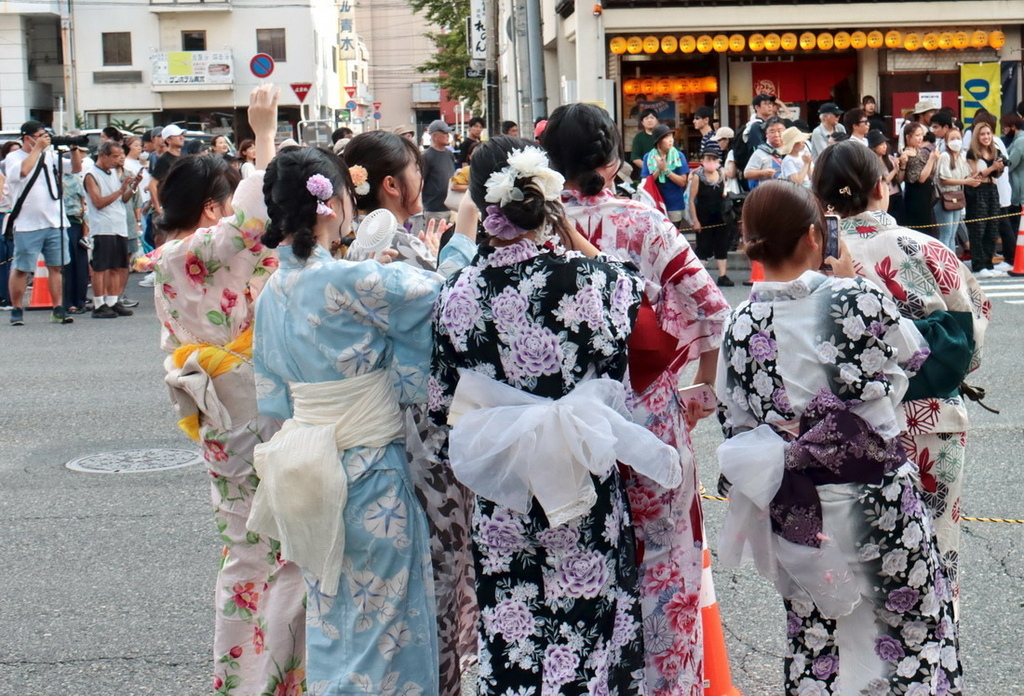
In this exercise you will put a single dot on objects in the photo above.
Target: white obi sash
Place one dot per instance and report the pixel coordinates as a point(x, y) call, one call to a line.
point(509, 446)
point(303, 486)
point(754, 462)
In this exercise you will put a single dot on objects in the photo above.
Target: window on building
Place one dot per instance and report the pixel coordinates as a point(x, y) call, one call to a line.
point(117, 48)
point(193, 40)
point(271, 42)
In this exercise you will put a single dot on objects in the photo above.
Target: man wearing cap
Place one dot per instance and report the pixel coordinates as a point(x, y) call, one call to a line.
point(821, 137)
point(764, 109)
point(38, 223)
point(438, 169)
point(174, 139)
point(108, 191)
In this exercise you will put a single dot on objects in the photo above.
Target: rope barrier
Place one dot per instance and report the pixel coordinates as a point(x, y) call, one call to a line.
point(963, 519)
point(915, 227)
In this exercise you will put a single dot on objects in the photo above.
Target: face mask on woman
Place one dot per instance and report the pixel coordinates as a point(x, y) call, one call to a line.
point(954, 145)
point(711, 166)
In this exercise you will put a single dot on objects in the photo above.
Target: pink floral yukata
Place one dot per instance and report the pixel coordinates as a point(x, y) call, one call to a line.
point(690, 311)
point(206, 286)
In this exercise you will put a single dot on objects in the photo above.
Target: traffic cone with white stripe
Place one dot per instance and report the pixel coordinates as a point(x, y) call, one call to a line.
point(1018, 253)
point(41, 287)
point(717, 677)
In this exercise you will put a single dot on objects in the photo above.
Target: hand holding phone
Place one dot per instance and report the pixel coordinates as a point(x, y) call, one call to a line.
point(699, 401)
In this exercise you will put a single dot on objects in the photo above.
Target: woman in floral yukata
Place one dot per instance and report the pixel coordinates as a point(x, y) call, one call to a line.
point(340, 347)
point(387, 174)
point(680, 322)
point(529, 354)
point(207, 277)
point(822, 494)
point(932, 287)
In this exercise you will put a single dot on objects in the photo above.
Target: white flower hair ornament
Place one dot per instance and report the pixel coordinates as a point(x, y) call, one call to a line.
point(528, 163)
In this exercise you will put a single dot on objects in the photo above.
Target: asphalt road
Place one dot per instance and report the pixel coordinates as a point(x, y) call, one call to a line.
point(107, 582)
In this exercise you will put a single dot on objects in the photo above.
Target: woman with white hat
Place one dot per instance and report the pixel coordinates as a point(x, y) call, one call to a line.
point(796, 165)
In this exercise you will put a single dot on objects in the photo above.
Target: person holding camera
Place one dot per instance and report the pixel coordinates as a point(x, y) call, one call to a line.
point(36, 220)
point(108, 191)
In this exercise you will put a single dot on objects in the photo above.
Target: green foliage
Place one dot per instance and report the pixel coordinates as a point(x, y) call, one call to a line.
point(452, 57)
point(133, 126)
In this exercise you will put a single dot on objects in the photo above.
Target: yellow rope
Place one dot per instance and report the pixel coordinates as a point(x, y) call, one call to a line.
point(915, 227)
point(965, 519)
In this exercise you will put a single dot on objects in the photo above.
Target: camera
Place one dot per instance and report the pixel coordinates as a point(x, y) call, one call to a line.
point(69, 140)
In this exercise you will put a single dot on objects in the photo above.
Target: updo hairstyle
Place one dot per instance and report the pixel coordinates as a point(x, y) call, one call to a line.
point(531, 213)
point(190, 183)
point(776, 215)
point(291, 208)
point(580, 139)
point(844, 176)
point(383, 154)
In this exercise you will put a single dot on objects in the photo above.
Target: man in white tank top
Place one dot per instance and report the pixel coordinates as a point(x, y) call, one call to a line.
point(108, 191)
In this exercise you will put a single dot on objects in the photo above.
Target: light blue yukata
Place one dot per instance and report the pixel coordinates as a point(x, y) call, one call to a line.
point(327, 320)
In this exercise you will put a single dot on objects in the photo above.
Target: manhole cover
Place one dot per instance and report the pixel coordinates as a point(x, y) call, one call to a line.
point(135, 461)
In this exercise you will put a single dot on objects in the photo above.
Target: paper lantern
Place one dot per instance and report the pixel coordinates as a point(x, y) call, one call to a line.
point(705, 43)
point(679, 86)
point(687, 44)
point(858, 40)
point(961, 39)
point(720, 43)
point(946, 40)
point(669, 44)
point(634, 44)
point(893, 39)
point(876, 39)
point(997, 39)
point(710, 84)
point(912, 41)
point(651, 44)
point(842, 40)
point(930, 41)
point(808, 41)
point(788, 41)
point(979, 39)
point(664, 86)
point(756, 42)
point(618, 45)
point(737, 42)
point(772, 42)
point(825, 41)
point(647, 86)
point(631, 87)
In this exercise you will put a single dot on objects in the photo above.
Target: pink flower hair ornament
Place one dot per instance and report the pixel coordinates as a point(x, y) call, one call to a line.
point(323, 190)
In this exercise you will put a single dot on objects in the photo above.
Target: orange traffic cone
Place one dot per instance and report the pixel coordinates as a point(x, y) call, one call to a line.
point(1018, 253)
point(756, 273)
point(41, 287)
point(717, 677)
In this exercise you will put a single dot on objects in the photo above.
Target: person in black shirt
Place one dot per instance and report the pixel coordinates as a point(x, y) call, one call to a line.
point(475, 128)
point(438, 169)
point(174, 140)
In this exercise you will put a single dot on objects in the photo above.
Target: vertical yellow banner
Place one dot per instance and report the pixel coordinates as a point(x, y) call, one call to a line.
point(979, 87)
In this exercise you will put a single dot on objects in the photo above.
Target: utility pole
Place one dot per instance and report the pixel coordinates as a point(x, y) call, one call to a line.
point(67, 37)
point(492, 99)
point(538, 87)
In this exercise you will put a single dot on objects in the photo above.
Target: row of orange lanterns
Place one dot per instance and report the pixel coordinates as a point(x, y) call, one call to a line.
point(807, 41)
point(667, 85)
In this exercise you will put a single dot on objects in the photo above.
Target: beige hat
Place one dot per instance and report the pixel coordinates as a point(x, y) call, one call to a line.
point(790, 137)
point(404, 129)
point(923, 106)
point(725, 132)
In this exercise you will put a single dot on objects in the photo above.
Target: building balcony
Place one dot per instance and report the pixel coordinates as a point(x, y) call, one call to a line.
point(201, 71)
point(161, 6)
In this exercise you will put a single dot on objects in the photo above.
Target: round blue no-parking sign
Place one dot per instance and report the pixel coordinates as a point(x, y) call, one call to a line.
point(261, 65)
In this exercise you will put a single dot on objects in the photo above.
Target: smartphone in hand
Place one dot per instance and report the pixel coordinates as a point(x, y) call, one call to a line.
point(831, 239)
point(703, 394)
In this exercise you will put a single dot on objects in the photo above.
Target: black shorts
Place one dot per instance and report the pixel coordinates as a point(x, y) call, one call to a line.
point(714, 241)
point(110, 252)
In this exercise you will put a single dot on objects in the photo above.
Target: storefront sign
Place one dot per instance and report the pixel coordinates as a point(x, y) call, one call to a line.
point(193, 68)
point(980, 86)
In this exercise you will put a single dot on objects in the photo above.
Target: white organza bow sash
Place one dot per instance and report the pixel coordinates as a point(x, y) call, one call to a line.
point(509, 446)
point(754, 462)
point(303, 485)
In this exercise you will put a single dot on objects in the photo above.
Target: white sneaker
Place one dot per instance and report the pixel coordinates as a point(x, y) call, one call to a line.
point(996, 273)
point(984, 273)
point(1003, 266)
point(149, 281)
